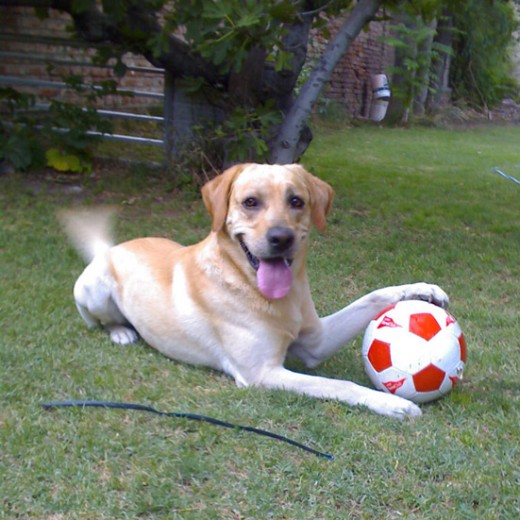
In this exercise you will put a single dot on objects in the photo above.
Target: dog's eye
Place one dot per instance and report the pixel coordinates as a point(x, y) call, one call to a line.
point(250, 202)
point(296, 202)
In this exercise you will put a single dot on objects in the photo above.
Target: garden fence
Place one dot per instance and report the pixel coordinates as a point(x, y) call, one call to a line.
point(25, 62)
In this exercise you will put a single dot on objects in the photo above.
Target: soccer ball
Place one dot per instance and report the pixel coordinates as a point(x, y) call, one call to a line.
point(415, 350)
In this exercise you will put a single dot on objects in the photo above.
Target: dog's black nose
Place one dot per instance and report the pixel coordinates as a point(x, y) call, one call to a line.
point(280, 238)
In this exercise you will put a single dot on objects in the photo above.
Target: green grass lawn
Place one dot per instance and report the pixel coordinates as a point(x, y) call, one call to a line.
point(411, 205)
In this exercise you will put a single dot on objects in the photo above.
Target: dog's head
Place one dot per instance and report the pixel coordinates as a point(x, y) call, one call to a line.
point(268, 210)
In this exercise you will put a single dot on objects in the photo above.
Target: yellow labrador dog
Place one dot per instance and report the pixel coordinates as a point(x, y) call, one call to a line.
point(239, 301)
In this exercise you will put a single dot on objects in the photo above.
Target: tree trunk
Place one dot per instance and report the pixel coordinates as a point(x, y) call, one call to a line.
point(398, 109)
point(423, 74)
point(284, 149)
point(441, 68)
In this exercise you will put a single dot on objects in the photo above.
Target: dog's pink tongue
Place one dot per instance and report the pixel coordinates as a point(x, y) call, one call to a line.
point(274, 278)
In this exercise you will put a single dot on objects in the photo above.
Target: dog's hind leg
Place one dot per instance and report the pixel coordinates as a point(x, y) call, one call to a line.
point(122, 334)
point(96, 305)
point(88, 318)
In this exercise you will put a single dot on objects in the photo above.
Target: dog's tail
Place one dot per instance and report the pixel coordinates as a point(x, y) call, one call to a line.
point(89, 230)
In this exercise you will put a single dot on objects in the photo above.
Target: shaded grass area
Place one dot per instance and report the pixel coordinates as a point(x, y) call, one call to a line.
point(411, 205)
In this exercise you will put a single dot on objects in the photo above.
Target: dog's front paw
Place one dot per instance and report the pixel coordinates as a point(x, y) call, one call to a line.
point(428, 292)
point(391, 405)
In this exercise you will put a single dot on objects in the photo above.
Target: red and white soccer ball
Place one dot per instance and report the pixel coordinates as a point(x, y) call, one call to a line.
point(415, 350)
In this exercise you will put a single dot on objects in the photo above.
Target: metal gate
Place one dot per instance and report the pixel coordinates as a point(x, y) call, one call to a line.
point(21, 51)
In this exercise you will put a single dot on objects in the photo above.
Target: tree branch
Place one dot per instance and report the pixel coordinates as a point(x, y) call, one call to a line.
point(285, 148)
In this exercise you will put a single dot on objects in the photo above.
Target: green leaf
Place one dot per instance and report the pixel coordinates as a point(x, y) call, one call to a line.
point(63, 161)
point(42, 13)
point(217, 10)
point(282, 61)
point(120, 68)
point(17, 150)
point(284, 11)
point(80, 6)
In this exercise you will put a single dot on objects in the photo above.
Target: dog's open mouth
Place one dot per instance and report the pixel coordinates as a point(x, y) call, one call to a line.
point(273, 275)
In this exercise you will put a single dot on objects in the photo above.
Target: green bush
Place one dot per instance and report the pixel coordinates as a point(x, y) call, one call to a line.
point(58, 137)
point(19, 145)
point(481, 68)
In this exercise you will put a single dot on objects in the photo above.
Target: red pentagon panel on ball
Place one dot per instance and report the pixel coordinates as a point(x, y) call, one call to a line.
point(428, 379)
point(462, 343)
point(424, 325)
point(379, 355)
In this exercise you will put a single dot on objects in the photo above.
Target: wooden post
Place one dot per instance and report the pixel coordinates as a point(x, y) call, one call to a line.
point(169, 133)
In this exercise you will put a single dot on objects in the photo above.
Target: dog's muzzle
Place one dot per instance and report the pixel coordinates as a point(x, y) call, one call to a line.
point(273, 273)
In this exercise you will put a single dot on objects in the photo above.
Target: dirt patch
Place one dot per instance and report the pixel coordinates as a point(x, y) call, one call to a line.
point(507, 112)
point(108, 180)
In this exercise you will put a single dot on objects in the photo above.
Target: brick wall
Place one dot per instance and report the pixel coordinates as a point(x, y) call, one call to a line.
point(367, 55)
point(350, 84)
point(23, 22)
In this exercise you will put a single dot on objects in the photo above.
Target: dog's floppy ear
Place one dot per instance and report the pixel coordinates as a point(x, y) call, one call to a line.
point(215, 195)
point(322, 196)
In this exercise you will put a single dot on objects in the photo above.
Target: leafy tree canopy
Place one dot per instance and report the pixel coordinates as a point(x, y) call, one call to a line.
point(250, 53)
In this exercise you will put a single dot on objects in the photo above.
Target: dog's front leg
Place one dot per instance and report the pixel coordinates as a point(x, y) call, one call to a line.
point(355, 395)
point(343, 326)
